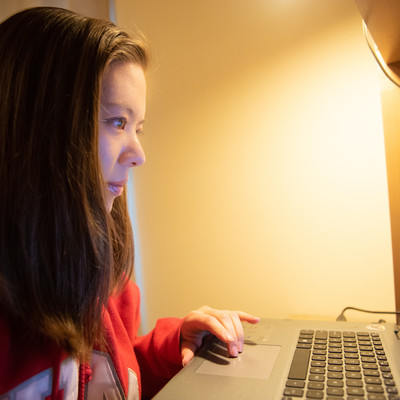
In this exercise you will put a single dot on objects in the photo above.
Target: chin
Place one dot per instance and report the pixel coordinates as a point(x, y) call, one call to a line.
point(110, 203)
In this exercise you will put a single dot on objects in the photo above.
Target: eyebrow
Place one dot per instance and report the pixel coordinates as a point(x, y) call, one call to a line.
point(129, 110)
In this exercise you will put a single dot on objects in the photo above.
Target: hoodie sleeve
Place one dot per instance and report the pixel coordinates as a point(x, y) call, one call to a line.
point(158, 352)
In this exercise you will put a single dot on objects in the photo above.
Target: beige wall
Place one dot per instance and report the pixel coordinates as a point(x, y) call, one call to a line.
point(265, 160)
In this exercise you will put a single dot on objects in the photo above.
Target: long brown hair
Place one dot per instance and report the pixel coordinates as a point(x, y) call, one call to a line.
point(61, 252)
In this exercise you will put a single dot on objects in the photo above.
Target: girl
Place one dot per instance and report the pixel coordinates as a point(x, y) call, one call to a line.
point(72, 106)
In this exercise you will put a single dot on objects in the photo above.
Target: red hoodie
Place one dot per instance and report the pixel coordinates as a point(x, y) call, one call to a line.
point(134, 366)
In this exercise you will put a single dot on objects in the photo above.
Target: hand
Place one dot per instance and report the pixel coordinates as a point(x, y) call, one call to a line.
point(225, 325)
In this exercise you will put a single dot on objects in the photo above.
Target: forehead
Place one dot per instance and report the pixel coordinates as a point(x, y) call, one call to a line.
point(124, 84)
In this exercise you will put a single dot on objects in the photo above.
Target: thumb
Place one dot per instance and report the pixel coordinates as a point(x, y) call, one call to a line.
point(188, 349)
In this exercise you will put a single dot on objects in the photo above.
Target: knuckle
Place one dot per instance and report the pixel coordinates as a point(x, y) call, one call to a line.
point(225, 317)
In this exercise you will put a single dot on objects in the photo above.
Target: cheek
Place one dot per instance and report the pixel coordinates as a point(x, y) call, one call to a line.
point(106, 154)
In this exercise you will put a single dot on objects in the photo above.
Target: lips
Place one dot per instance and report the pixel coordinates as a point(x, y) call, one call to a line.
point(116, 188)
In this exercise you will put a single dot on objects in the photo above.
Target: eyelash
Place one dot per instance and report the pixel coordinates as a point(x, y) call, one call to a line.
point(120, 123)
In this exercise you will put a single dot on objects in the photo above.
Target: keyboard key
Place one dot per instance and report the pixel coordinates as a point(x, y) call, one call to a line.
point(358, 398)
point(317, 370)
point(353, 375)
point(295, 384)
point(318, 363)
point(337, 368)
point(293, 392)
point(348, 350)
point(374, 389)
point(368, 359)
point(373, 380)
point(316, 385)
point(314, 394)
point(355, 391)
point(350, 361)
point(371, 373)
point(303, 346)
point(305, 341)
point(334, 361)
point(339, 398)
point(335, 349)
point(367, 353)
point(335, 383)
point(355, 368)
point(354, 383)
point(298, 369)
point(335, 375)
point(354, 356)
point(365, 348)
point(335, 391)
point(316, 378)
point(370, 366)
point(321, 335)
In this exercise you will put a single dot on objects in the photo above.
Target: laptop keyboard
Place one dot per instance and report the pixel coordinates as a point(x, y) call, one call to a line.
point(335, 365)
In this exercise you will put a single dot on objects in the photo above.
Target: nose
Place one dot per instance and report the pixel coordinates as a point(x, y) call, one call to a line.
point(133, 155)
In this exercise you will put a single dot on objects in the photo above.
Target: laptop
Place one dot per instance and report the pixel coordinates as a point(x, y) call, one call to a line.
point(293, 359)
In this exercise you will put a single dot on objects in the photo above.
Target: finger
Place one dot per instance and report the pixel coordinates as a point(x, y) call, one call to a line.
point(238, 329)
point(226, 320)
point(188, 350)
point(245, 317)
point(231, 323)
point(211, 323)
point(199, 324)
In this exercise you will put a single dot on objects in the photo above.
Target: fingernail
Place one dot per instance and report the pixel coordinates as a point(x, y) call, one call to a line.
point(240, 347)
point(234, 351)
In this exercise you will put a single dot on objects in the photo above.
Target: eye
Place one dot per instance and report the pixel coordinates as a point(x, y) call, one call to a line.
point(117, 123)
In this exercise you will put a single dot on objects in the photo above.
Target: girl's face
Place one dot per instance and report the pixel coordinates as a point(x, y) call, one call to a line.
point(122, 111)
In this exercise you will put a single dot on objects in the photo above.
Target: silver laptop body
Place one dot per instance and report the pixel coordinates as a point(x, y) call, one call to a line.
point(266, 370)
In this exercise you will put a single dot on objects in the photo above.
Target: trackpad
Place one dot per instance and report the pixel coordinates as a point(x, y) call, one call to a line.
point(256, 361)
